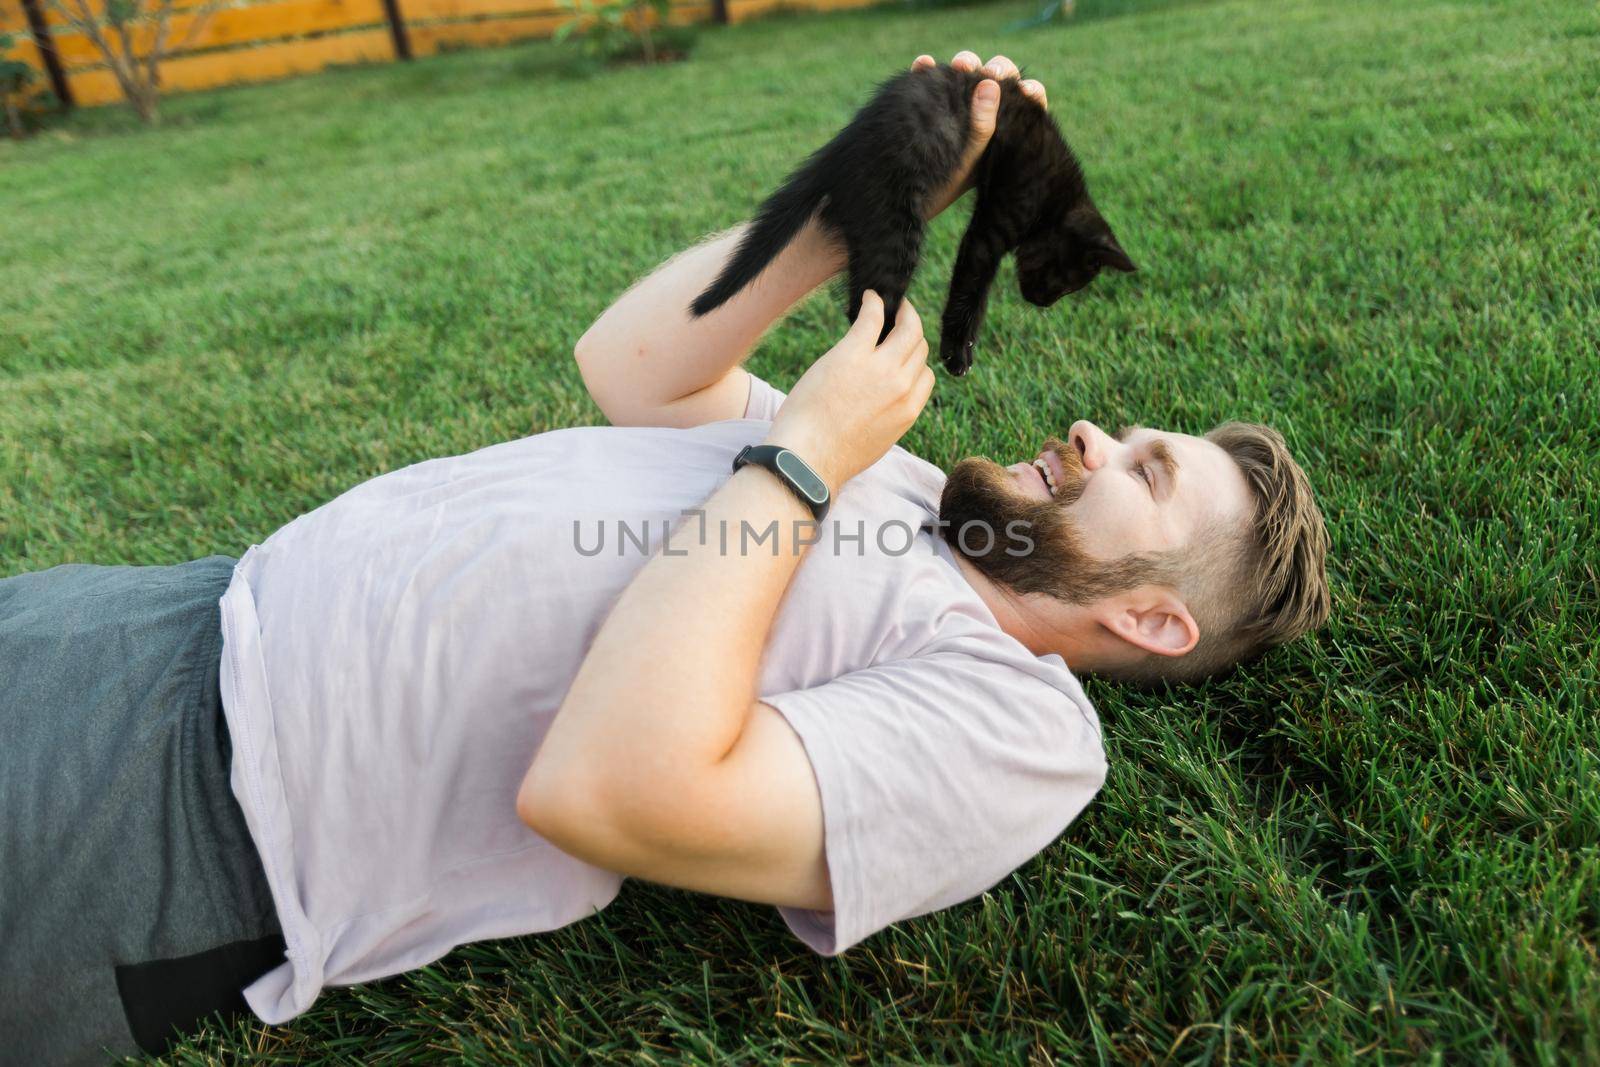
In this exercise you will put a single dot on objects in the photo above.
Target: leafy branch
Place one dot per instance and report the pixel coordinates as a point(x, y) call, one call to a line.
point(133, 38)
point(605, 24)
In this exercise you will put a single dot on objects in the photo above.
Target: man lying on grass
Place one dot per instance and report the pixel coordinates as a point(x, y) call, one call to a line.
point(466, 699)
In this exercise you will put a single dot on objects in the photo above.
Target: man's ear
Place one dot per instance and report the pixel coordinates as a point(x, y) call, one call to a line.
point(1150, 618)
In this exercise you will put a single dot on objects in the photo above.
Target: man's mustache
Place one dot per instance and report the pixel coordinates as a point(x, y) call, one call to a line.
point(1069, 487)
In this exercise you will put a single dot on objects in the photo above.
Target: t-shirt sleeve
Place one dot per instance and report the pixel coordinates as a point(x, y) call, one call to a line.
point(765, 399)
point(939, 775)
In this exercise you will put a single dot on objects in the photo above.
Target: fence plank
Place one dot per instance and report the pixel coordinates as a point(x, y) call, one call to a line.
point(430, 38)
point(24, 49)
point(287, 18)
point(237, 26)
point(211, 69)
point(13, 19)
point(685, 14)
point(743, 10)
point(476, 10)
point(427, 10)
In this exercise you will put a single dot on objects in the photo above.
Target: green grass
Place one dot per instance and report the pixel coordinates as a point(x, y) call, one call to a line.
point(1373, 225)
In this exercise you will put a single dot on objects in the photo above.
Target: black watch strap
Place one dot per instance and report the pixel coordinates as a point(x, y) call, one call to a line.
point(792, 471)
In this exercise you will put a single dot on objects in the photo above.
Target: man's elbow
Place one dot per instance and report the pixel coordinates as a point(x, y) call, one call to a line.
point(618, 822)
point(552, 805)
point(586, 355)
point(585, 350)
point(597, 366)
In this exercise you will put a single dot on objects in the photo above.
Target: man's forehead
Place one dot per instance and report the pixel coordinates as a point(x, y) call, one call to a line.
point(1182, 444)
point(1135, 432)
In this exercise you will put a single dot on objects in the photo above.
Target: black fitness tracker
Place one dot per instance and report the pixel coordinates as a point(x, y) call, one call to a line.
point(792, 471)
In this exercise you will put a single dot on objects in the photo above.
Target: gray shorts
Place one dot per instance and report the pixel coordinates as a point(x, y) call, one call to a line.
point(132, 900)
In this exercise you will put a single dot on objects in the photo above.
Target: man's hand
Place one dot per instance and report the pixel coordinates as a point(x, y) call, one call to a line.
point(860, 397)
point(985, 109)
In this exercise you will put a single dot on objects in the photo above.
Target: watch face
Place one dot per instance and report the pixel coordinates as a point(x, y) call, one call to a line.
point(802, 476)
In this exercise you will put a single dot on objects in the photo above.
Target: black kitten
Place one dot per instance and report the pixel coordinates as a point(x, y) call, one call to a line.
point(873, 181)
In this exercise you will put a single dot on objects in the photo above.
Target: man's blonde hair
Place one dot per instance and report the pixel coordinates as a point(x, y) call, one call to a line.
point(1265, 585)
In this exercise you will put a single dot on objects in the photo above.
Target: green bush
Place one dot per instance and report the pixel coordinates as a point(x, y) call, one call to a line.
point(15, 79)
point(620, 31)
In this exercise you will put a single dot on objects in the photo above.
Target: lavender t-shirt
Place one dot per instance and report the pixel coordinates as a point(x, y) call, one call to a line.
point(392, 660)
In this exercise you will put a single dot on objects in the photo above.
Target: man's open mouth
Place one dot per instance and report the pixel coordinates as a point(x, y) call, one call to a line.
point(1049, 467)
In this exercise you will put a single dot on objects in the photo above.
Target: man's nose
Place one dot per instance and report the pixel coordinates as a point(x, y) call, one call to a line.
point(1092, 443)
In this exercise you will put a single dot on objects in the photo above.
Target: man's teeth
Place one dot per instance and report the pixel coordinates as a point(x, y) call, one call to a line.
point(1049, 478)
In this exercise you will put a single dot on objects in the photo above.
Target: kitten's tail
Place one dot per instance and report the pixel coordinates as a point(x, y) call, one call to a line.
point(775, 225)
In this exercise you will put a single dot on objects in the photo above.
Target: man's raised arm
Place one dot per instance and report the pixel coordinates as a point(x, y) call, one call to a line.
point(647, 363)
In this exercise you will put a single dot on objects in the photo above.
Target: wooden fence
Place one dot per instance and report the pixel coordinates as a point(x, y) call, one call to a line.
point(266, 39)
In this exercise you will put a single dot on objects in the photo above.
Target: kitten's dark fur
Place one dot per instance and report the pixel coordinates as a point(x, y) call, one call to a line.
point(872, 182)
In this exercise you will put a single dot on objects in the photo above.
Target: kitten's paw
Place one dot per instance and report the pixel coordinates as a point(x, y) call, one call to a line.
point(956, 353)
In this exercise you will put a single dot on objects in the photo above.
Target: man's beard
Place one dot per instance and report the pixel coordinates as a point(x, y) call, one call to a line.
point(986, 517)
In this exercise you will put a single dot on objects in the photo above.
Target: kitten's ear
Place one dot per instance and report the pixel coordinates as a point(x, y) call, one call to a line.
point(1110, 254)
point(1094, 233)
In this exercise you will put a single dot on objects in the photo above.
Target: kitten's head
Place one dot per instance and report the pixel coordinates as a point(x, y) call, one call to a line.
point(1063, 253)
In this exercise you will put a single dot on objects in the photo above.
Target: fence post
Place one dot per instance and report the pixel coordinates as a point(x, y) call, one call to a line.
point(397, 29)
point(40, 31)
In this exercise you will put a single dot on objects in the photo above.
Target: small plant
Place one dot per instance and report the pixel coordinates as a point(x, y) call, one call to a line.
point(618, 30)
point(15, 79)
point(134, 37)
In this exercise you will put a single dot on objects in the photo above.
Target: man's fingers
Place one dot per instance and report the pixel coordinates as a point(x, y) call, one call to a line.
point(965, 60)
point(906, 333)
point(985, 109)
point(918, 356)
point(1034, 90)
point(922, 388)
point(1001, 67)
point(915, 352)
point(923, 62)
point(869, 320)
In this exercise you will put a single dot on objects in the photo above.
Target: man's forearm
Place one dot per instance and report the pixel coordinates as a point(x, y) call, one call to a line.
point(672, 672)
point(646, 361)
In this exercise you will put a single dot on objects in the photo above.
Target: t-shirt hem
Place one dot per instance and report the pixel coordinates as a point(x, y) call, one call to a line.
point(288, 989)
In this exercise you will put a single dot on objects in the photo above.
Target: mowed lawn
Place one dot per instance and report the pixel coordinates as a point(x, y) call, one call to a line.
point(1373, 225)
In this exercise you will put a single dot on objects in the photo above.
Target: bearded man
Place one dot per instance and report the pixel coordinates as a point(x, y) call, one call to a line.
point(737, 642)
